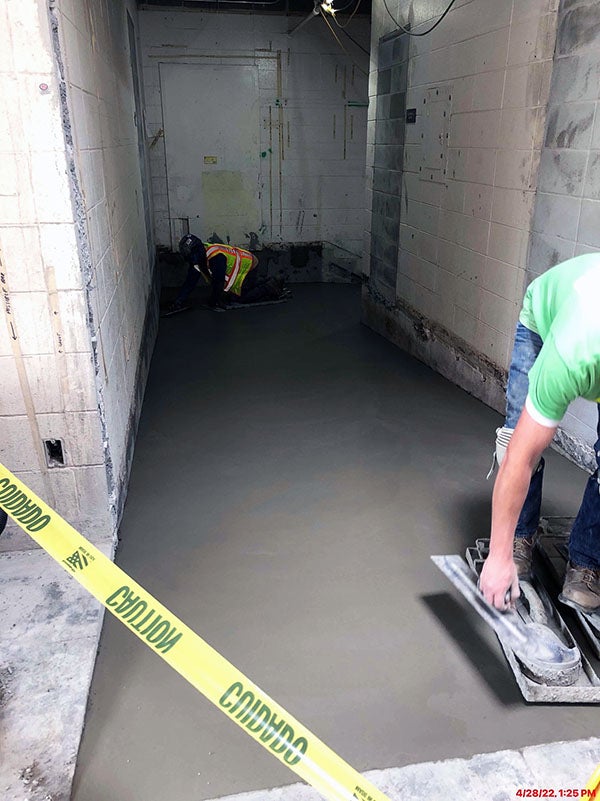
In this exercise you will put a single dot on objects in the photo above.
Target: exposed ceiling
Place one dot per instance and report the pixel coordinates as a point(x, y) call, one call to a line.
point(287, 7)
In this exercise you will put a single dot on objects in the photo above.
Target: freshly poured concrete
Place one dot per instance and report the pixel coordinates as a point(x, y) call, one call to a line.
point(293, 474)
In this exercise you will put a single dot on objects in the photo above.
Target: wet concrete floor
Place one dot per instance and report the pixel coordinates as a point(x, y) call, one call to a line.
point(293, 473)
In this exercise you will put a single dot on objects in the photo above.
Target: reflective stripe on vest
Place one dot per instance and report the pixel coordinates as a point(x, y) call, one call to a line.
point(239, 263)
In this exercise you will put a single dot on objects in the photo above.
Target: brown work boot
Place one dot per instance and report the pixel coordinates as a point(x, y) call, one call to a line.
point(581, 589)
point(523, 556)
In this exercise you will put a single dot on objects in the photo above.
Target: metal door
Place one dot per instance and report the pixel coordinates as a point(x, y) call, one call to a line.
point(211, 116)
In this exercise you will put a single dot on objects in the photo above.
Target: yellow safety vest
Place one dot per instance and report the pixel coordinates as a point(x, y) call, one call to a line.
point(239, 264)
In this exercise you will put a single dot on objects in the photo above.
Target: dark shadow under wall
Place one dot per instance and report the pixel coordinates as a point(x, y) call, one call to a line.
point(436, 347)
point(148, 339)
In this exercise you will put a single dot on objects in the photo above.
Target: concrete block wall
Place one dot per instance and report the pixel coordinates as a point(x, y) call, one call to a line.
point(493, 183)
point(506, 97)
point(75, 272)
point(479, 83)
point(311, 93)
point(566, 220)
point(48, 386)
point(118, 259)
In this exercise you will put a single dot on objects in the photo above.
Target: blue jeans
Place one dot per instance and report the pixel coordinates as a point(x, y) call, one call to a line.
point(584, 542)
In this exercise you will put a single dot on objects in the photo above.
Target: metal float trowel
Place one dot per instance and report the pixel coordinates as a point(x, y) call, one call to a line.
point(543, 656)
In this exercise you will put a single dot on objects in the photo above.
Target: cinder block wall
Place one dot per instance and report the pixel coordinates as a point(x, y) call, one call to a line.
point(117, 250)
point(566, 219)
point(313, 115)
point(459, 202)
point(76, 273)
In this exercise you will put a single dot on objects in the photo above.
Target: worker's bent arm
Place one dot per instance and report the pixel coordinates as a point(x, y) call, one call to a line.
point(522, 457)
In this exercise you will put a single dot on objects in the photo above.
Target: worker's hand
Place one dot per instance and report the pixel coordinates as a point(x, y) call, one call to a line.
point(499, 583)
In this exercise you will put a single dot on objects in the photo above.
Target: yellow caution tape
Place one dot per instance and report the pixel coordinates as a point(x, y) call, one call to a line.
point(222, 683)
point(592, 789)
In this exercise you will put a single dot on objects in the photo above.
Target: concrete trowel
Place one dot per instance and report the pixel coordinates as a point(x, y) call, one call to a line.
point(543, 656)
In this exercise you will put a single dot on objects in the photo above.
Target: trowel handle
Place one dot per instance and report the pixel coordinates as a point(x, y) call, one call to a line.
point(508, 600)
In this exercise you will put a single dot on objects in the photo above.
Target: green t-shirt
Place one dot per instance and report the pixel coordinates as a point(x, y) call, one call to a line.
point(563, 307)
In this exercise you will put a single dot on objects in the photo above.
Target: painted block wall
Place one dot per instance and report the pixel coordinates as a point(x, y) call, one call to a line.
point(465, 186)
point(117, 257)
point(71, 288)
point(566, 219)
point(48, 387)
point(313, 176)
point(465, 225)
point(513, 124)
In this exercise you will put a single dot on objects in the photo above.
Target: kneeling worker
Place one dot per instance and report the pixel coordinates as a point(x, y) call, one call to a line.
point(231, 271)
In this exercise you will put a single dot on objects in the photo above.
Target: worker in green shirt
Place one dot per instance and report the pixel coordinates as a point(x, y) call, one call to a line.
point(556, 359)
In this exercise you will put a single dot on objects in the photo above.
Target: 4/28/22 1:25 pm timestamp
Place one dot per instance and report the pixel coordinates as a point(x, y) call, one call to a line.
point(550, 792)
